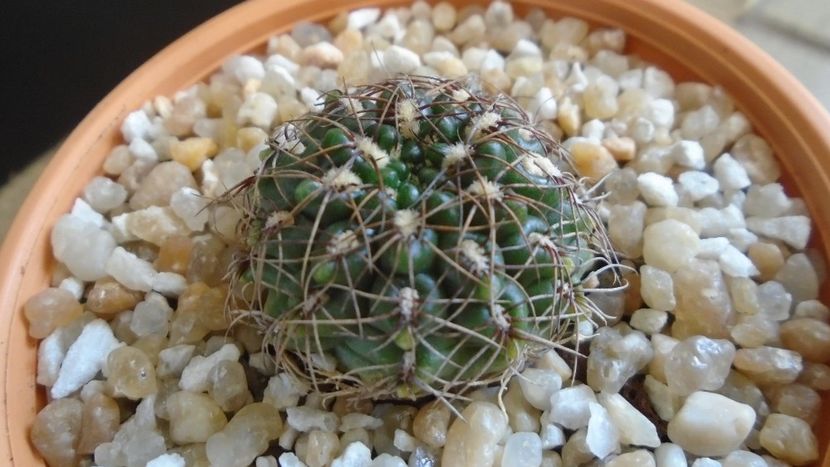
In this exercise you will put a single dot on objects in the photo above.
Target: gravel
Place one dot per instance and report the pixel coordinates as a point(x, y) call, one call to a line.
point(718, 359)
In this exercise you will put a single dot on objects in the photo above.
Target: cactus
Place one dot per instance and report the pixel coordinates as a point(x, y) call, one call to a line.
point(415, 237)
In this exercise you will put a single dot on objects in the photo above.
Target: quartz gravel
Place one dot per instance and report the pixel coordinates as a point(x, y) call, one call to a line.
point(720, 344)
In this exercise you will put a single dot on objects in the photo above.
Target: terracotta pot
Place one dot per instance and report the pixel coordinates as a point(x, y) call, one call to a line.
point(683, 40)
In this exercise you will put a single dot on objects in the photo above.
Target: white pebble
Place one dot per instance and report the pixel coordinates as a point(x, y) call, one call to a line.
point(657, 288)
point(137, 125)
point(404, 441)
point(388, 27)
point(657, 190)
point(742, 238)
point(657, 82)
point(698, 184)
point(766, 201)
point(119, 230)
point(195, 374)
point(130, 270)
point(774, 300)
point(699, 123)
point(258, 109)
point(398, 59)
point(306, 419)
point(642, 131)
point(387, 460)
point(569, 406)
point(551, 435)
point(142, 150)
point(730, 173)
point(169, 284)
point(705, 462)
point(283, 391)
point(538, 385)
point(634, 428)
point(82, 247)
point(522, 450)
point(491, 60)
point(289, 459)
point(710, 424)
point(50, 354)
point(74, 286)
point(688, 154)
point(311, 98)
point(525, 48)
point(631, 79)
point(356, 454)
point(543, 104)
point(85, 358)
point(670, 455)
point(191, 207)
point(592, 129)
point(712, 248)
point(602, 437)
point(167, 460)
point(736, 264)
point(716, 222)
point(792, 230)
point(84, 211)
point(744, 459)
point(360, 18)
point(278, 81)
point(103, 194)
point(244, 68)
point(661, 113)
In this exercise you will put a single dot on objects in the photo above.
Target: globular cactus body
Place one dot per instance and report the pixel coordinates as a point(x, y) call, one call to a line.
point(414, 237)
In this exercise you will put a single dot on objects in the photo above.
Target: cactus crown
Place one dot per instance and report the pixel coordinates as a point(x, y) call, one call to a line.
point(414, 237)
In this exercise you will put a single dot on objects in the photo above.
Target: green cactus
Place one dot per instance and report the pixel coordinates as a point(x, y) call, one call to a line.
point(415, 237)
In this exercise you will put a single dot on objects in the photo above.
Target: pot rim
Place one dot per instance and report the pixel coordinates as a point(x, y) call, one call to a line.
point(205, 47)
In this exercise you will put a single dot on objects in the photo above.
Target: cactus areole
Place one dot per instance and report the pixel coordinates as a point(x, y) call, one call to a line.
point(415, 237)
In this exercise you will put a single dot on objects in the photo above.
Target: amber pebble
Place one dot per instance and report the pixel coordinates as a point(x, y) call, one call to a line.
point(193, 417)
point(174, 255)
point(186, 328)
point(151, 346)
point(131, 373)
point(206, 260)
point(50, 309)
point(796, 400)
point(208, 303)
point(321, 448)
point(431, 424)
point(345, 405)
point(101, 419)
point(228, 385)
point(56, 431)
point(809, 337)
point(248, 336)
point(108, 297)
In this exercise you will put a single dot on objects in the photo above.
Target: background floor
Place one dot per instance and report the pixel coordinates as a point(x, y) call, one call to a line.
point(794, 32)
